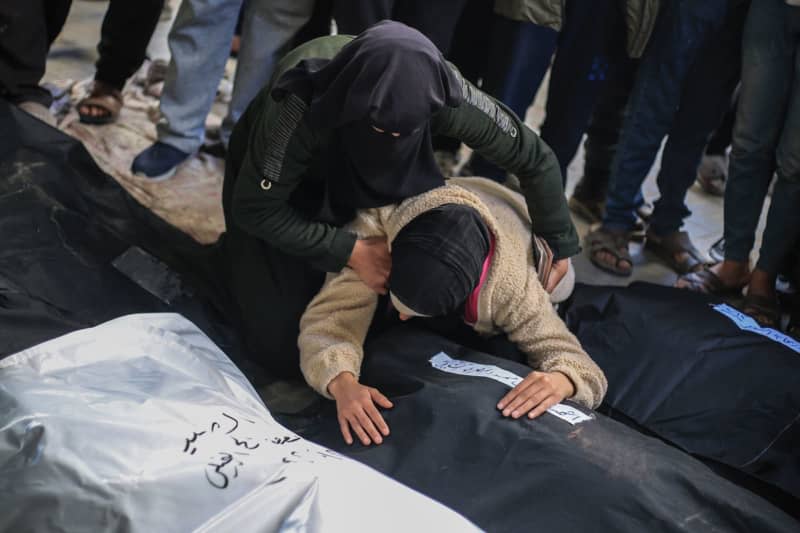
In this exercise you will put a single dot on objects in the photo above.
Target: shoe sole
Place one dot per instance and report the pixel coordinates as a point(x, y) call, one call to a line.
point(156, 179)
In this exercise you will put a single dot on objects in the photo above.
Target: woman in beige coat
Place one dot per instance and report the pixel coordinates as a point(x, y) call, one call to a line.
point(465, 247)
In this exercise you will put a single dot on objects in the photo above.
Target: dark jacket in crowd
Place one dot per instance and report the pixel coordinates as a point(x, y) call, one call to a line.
point(640, 17)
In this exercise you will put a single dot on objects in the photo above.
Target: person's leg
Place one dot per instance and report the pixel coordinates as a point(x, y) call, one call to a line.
point(520, 55)
point(269, 27)
point(579, 71)
point(602, 137)
point(783, 221)
point(124, 36)
point(436, 20)
point(200, 44)
point(705, 99)
point(126, 31)
point(767, 66)
point(723, 136)
point(712, 173)
point(354, 16)
point(680, 31)
point(465, 42)
point(29, 28)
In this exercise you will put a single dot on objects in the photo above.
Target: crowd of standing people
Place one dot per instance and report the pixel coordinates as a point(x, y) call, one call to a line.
point(713, 85)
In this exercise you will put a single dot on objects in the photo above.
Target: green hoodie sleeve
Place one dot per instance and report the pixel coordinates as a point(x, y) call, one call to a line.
point(496, 133)
point(279, 152)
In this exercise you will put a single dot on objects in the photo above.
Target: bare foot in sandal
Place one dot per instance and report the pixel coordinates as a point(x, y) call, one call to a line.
point(608, 251)
point(761, 301)
point(727, 277)
point(676, 249)
point(102, 106)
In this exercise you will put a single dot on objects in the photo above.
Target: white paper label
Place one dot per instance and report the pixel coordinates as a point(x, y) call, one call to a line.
point(445, 363)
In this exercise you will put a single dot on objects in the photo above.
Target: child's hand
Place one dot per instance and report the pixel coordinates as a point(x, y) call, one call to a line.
point(355, 405)
point(535, 394)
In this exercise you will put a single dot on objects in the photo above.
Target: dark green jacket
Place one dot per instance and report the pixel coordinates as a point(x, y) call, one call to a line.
point(640, 17)
point(273, 147)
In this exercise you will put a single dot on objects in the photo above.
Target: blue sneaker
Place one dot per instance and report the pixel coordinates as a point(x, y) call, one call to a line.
point(158, 162)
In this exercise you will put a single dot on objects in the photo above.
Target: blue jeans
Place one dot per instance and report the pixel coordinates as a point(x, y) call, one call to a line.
point(668, 79)
point(766, 137)
point(591, 32)
point(200, 43)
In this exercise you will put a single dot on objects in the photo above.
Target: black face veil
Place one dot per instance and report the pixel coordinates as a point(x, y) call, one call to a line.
point(391, 77)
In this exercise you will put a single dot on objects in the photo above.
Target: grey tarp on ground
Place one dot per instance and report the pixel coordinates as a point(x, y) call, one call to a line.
point(143, 424)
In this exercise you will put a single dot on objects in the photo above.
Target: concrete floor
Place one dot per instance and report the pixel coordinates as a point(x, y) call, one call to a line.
point(74, 52)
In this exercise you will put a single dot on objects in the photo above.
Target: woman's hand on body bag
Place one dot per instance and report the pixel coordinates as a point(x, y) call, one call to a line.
point(535, 394)
point(372, 262)
point(355, 407)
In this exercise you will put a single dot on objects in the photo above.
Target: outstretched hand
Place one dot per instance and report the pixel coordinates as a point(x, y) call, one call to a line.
point(372, 262)
point(535, 394)
point(355, 407)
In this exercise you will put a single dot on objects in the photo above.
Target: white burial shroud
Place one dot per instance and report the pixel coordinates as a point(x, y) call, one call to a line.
point(143, 424)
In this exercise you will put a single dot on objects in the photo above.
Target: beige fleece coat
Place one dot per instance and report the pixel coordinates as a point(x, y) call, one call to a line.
point(512, 300)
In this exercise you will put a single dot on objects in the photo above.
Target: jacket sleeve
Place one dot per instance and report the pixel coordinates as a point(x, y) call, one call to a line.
point(278, 154)
point(533, 325)
point(333, 329)
point(494, 131)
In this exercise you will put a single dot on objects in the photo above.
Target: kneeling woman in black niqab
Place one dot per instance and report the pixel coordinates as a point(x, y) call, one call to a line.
point(345, 124)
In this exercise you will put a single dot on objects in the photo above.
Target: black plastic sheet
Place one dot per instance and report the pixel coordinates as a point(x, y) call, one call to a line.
point(686, 372)
point(449, 441)
point(78, 250)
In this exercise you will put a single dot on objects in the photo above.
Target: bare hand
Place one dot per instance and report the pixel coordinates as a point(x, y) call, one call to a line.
point(535, 394)
point(559, 270)
point(355, 407)
point(372, 262)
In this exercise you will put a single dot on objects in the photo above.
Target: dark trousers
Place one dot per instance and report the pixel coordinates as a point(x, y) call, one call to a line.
point(766, 137)
point(602, 134)
point(29, 27)
point(436, 20)
point(593, 33)
point(723, 135)
point(126, 31)
point(683, 85)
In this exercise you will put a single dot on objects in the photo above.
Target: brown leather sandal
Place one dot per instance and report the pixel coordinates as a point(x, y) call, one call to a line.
point(615, 244)
point(104, 97)
point(666, 247)
point(707, 282)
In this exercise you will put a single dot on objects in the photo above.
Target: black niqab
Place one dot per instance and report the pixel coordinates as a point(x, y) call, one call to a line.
point(390, 77)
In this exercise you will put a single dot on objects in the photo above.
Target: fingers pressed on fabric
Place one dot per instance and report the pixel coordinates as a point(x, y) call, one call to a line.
point(548, 402)
point(533, 394)
point(359, 431)
point(529, 380)
point(369, 427)
point(377, 419)
point(345, 429)
point(380, 399)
